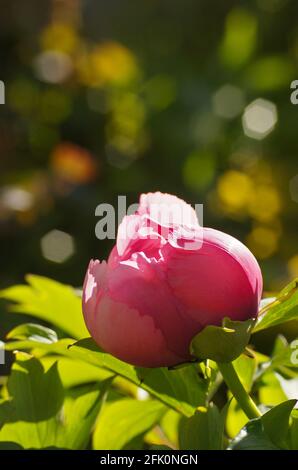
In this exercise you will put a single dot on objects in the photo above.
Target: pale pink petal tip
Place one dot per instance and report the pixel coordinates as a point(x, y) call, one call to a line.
point(167, 209)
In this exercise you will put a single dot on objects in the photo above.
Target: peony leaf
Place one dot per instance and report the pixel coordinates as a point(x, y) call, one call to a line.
point(41, 414)
point(222, 344)
point(276, 422)
point(182, 389)
point(33, 332)
point(269, 432)
point(294, 430)
point(283, 309)
point(204, 430)
point(123, 420)
point(48, 300)
point(252, 437)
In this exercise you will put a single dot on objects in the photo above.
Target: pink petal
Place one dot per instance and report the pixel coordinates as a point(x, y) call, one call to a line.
point(94, 283)
point(142, 286)
point(167, 210)
point(220, 279)
point(123, 332)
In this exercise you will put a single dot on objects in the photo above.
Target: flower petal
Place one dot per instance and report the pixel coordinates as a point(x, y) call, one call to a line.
point(220, 279)
point(129, 336)
point(167, 210)
point(94, 283)
point(142, 286)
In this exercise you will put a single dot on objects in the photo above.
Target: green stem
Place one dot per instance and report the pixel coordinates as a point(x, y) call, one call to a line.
point(244, 400)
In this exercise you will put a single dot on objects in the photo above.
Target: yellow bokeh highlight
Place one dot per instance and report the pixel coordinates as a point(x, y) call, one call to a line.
point(250, 193)
point(59, 37)
point(265, 203)
point(108, 63)
point(235, 190)
point(263, 241)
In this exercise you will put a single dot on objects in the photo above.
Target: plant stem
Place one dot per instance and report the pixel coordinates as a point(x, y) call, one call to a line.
point(244, 400)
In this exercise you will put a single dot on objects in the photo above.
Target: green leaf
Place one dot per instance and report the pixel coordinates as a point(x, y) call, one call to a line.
point(123, 420)
point(36, 398)
point(270, 390)
point(289, 386)
point(10, 446)
point(59, 347)
point(222, 344)
point(283, 361)
point(158, 447)
point(80, 410)
point(182, 389)
point(48, 300)
point(202, 431)
point(36, 394)
point(236, 419)
point(269, 432)
point(5, 411)
point(170, 425)
point(285, 357)
point(276, 422)
point(33, 332)
point(245, 367)
point(252, 437)
point(40, 415)
point(281, 355)
point(294, 431)
point(280, 344)
point(74, 372)
point(283, 309)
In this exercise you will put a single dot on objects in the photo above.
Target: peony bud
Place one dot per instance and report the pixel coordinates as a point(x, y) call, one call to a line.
point(165, 280)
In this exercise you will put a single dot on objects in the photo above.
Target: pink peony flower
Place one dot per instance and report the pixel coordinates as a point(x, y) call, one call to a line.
point(165, 280)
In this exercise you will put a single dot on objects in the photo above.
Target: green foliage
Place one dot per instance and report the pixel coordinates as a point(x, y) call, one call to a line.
point(245, 366)
point(74, 372)
point(33, 332)
point(182, 389)
point(222, 344)
point(50, 301)
point(283, 309)
point(293, 438)
point(40, 413)
point(36, 395)
point(122, 421)
point(174, 102)
point(236, 419)
point(276, 422)
point(270, 432)
point(252, 437)
point(204, 430)
point(60, 382)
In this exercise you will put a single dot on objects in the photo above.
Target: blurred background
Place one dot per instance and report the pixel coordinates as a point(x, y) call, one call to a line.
point(108, 98)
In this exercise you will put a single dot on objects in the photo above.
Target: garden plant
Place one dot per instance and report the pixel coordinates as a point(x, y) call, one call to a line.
point(148, 230)
point(170, 363)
